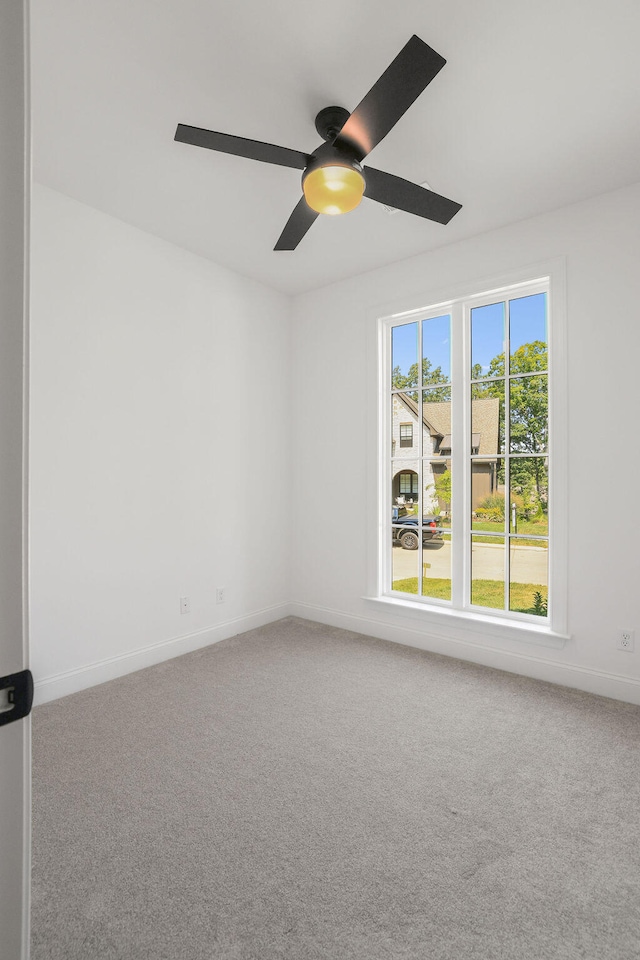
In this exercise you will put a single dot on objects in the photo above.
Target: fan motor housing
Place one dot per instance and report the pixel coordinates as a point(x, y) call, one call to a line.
point(330, 121)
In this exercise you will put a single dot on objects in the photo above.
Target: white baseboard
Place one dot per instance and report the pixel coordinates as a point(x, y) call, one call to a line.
point(62, 684)
point(539, 668)
point(527, 665)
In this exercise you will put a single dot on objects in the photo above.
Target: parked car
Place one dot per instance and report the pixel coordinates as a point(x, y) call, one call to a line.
point(405, 531)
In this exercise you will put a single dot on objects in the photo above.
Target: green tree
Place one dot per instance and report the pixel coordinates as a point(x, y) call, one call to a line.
point(529, 399)
point(430, 377)
point(442, 484)
point(528, 402)
point(476, 371)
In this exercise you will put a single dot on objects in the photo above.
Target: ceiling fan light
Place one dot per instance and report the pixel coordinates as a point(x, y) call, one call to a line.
point(334, 188)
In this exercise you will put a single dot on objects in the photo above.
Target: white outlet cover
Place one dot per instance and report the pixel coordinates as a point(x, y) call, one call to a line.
point(626, 640)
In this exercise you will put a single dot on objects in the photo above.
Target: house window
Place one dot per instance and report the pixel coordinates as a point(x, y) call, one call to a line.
point(406, 434)
point(408, 483)
point(474, 378)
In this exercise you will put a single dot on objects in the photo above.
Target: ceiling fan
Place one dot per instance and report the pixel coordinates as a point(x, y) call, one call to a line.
point(334, 180)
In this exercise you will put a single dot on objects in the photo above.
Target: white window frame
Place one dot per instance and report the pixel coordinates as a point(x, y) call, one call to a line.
point(550, 631)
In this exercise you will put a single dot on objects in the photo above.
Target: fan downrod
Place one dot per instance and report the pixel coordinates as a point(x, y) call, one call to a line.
point(330, 121)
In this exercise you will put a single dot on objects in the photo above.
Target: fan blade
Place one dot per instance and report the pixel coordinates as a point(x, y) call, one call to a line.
point(404, 195)
point(390, 97)
point(298, 223)
point(240, 147)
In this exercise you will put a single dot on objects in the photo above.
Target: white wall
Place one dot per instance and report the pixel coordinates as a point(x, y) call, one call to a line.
point(334, 339)
point(160, 448)
point(161, 455)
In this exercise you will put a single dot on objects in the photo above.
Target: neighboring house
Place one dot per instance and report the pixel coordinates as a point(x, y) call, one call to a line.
point(436, 449)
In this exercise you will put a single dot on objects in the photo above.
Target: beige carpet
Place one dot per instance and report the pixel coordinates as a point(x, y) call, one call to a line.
point(300, 792)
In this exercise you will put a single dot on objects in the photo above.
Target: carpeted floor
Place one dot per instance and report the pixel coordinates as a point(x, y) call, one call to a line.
point(300, 792)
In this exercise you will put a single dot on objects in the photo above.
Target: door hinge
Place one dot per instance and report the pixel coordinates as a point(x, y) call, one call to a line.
point(18, 699)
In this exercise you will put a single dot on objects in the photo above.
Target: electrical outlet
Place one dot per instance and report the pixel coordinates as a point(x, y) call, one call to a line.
point(185, 606)
point(221, 594)
point(626, 640)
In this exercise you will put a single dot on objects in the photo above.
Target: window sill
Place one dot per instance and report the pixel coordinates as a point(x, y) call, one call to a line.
point(480, 625)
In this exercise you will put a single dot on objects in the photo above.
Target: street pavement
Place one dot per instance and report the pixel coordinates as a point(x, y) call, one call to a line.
point(528, 564)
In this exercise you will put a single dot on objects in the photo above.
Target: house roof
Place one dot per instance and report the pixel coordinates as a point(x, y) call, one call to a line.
point(446, 443)
point(485, 417)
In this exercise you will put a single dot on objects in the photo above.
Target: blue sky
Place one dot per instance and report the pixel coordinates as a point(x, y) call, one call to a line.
point(436, 344)
point(527, 322)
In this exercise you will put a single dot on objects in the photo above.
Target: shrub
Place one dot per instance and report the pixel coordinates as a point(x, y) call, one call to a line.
point(486, 513)
point(493, 504)
point(528, 507)
point(540, 604)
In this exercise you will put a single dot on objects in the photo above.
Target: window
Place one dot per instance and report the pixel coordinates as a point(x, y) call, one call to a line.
point(408, 483)
point(406, 434)
point(473, 378)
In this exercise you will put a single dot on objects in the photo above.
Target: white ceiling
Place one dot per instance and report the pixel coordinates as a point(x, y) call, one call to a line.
point(538, 106)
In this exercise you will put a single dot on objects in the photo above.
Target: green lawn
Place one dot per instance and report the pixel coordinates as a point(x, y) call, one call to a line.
point(537, 528)
point(534, 527)
point(485, 593)
point(435, 587)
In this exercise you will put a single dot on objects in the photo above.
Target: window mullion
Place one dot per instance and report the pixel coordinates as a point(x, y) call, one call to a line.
point(420, 455)
point(460, 431)
point(386, 474)
point(507, 451)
